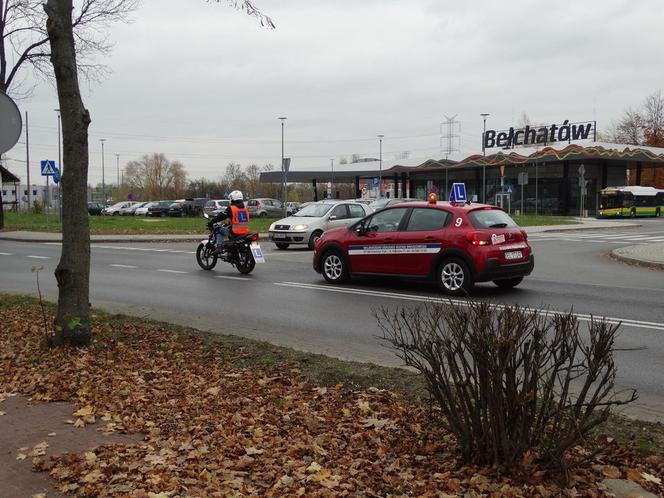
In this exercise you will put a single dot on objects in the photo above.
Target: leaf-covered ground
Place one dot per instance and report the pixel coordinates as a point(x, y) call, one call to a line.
point(212, 428)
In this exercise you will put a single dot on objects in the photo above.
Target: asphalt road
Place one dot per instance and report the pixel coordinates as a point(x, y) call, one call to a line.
point(285, 302)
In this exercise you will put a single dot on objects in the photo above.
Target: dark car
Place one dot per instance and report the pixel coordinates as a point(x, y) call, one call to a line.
point(176, 209)
point(454, 244)
point(95, 208)
point(159, 208)
point(192, 206)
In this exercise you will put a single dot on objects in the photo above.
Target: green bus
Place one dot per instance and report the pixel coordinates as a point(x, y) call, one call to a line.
point(623, 202)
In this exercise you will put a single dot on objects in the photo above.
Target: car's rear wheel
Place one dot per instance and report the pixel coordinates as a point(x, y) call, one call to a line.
point(262, 215)
point(205, 256)
point(281, 245)
point(454, 277)
point(314, 238)
point(335, 269)
point(116, 213)
point(508, 283)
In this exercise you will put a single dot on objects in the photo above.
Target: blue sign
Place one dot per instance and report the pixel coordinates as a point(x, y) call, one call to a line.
point(375, 182)
point(48, 168)
point(458, 192)
point(509, 188)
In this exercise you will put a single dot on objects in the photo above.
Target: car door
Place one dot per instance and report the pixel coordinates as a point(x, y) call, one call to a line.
point(372, 249)
point(337, 217)
point(422, 239)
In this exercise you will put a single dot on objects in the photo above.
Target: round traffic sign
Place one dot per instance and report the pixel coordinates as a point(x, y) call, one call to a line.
point(10, 123)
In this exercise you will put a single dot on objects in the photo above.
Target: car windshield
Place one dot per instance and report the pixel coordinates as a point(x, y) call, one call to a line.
point(314, 210)
point(491, 218)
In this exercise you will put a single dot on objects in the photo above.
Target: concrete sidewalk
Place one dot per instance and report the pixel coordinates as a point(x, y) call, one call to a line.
point(650, 255)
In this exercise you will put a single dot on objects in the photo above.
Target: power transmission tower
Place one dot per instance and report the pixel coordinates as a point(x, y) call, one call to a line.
point(449, 142)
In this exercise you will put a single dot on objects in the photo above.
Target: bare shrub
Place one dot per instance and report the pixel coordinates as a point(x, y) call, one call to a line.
point(509, 381)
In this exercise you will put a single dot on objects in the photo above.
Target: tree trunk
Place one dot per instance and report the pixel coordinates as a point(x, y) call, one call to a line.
point(72, 322)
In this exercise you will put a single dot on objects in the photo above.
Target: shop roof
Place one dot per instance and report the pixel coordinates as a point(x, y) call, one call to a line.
point(8, 176)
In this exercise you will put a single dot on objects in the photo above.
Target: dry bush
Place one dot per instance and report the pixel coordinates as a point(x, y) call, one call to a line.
point(512, 383)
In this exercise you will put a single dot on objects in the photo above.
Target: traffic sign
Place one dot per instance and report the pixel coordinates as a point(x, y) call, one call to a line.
point(509, 188)
point(458, 192)
point(48, 168)
point(375, 182)
point(523, 178)
point(10, 123)
point(286, 164)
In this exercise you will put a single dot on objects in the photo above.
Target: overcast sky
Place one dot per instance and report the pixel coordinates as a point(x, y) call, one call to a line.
point(205, 84)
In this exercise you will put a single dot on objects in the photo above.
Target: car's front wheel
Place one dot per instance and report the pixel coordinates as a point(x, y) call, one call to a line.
point(335, 269)
point(454, 277)
point(281, 245)
point(314, 238)
point(508, 283)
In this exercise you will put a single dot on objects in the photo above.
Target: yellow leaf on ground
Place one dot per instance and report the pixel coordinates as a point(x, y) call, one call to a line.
point(21, 456)
point(90, 457)
point(213, 391)
point(84, 412)
point(158, 495)
point(79, 423)
point(253, 451)
point(93, 476)
point(651, 478)
point(313, 468)
point(2, 413)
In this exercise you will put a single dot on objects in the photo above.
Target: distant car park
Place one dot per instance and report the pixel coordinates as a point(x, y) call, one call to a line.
point(114, 210)
point(143, 210)
point(213, 206)
point(265, 207)
point(159, 208)
point(130, 210)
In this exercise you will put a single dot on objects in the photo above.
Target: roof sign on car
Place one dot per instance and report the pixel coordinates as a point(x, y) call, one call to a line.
point(458, 192)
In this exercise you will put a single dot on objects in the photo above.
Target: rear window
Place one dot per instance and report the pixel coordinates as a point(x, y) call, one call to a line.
point(252, 203)
point(491, 218)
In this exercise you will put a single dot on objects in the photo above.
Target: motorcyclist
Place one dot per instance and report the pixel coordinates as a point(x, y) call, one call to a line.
point(238, 215)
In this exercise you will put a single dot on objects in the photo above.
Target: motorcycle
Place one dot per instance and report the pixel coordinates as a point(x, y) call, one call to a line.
point(242, 252)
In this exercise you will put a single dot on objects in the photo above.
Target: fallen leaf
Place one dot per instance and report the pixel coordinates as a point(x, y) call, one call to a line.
point(79, 423)
point(213, 391)
point(651, 478)
point(93, 476)
point(313, 468)
point(253, 451)
point(375, 422)
point(84, 412)
point(51, 434)
point(90, 457)
point(2, 413)
point(39, 495)
point(21, 456)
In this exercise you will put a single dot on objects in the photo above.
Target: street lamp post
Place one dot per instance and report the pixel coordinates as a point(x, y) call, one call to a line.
point(117, 165)
point(332, 182)
point(484, 115)
point(103, 174)
point(380, 167)
point(283, 166)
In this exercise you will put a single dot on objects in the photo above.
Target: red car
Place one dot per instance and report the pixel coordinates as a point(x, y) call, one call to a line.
point(455, 244)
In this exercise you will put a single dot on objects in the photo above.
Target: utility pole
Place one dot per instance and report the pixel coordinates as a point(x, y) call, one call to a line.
point(449, 136)
point(332, 182)
point(380, 168)
point(117, 165)
point(484, 115)
point(103, 176)
point(283, 166)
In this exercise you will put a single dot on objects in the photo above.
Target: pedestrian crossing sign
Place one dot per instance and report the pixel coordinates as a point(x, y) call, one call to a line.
point(48, 168)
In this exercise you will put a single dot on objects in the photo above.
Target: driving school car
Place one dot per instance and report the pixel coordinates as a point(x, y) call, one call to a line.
point(455, 244)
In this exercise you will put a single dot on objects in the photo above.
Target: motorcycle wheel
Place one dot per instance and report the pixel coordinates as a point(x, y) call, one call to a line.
point(245, 260)
point(206, 257)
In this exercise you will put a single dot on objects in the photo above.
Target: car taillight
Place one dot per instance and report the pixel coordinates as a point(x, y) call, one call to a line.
point(525, 235)
point(478, 238)
point(254, 236)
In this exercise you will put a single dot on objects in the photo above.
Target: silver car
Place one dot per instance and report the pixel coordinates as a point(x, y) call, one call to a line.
point(307, 225)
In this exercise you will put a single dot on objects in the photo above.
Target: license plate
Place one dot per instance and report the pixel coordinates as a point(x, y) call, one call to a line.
point(513, 255)
point(258, 253)
point(278, 235)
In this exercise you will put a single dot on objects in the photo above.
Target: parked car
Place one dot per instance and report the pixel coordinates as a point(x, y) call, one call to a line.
point(454, 244)
point(95, 208)
point(176, 209)
point(308, 224)
point(143, 210)
point(213, 206)
point(292, 207)
point(384, 202)
point(130, 210)
point(159, 208)
point(192, 206)
point(265, 207)
point(114, 210)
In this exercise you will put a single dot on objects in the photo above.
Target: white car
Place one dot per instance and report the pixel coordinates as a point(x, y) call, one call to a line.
point(307, 225)
point(114, 210)
point(143, 210)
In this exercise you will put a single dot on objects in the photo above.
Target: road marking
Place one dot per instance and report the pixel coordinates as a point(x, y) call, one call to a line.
point(232, 278)
point(173, 271)
point(6, 254)
point(124, 266)
point(38, 257)
point(412, 297)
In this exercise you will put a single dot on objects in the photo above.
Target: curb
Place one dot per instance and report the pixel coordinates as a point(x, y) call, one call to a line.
point(263, 237)
point(653, 265)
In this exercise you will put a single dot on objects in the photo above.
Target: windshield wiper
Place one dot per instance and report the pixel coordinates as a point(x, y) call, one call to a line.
point(498, 225)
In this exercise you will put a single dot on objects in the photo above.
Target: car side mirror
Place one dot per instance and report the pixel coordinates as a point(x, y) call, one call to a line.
point(333, 217)
point(360, 230)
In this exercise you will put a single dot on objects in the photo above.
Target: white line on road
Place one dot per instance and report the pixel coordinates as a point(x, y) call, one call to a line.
point(411, 297)
point(6, 254)
point(173, 271)
point(124, 266)
point(232, 278)
point(38, 257)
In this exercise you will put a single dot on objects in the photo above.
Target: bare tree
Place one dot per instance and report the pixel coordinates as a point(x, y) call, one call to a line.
point(156, 176)
point(235, 178)
point(653, 119)
point(24, 37)
point(253, 175)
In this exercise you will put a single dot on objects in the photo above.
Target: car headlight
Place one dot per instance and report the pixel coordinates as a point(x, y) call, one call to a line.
point(299, 227)
point(271, 229)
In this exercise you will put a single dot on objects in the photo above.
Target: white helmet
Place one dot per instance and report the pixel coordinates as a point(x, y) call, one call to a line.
point(235, 195)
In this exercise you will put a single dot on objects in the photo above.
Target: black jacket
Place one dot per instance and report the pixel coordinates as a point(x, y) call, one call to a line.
point(225, 213)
